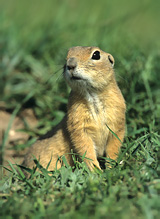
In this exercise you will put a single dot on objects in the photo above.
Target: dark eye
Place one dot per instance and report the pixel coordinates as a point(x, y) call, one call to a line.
point(96, 55)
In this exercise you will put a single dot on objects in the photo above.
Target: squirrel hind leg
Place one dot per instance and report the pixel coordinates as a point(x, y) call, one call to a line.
point(114, 145)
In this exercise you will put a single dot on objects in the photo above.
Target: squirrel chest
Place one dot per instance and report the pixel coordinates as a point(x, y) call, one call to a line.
point(89, 117)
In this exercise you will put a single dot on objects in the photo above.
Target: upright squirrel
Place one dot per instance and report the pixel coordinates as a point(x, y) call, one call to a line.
point(95, 107)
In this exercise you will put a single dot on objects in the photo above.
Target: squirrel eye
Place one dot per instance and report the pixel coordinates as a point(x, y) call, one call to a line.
point(96, 55)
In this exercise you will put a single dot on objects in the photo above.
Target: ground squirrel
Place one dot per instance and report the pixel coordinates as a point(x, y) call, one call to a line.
point(95, 107)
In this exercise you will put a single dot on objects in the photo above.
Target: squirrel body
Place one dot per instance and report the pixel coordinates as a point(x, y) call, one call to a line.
point(95, 107)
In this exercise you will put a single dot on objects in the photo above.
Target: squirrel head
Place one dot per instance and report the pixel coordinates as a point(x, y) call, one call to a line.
point(88, 69)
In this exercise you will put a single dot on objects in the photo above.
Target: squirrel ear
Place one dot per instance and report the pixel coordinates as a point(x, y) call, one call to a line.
point(111, 59)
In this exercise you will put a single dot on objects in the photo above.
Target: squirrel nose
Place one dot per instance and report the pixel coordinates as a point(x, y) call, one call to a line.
point(71, 64)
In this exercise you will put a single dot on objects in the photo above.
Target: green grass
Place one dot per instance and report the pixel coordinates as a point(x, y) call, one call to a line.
point(34, 38)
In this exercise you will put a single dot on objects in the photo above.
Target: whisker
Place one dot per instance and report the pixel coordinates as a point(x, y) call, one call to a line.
point(54, 75)
point(122, 79)
point(59, 77)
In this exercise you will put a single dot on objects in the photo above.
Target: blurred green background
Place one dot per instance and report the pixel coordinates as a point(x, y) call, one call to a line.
point(34, 39)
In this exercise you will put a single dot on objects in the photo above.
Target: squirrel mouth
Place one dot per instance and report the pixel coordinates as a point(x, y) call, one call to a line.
point(76, 78)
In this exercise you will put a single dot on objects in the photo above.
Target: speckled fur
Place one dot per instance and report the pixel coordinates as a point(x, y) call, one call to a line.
point(95, 102)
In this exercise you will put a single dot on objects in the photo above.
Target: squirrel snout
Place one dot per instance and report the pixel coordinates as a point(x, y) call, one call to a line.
point(71, 64)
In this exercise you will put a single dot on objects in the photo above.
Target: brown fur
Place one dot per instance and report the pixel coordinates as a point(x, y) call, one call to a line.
point(95, 102)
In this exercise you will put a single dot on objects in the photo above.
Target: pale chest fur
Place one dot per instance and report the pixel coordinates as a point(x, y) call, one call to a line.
point(89, 118)
point(97, 113)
